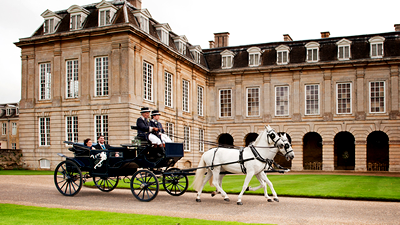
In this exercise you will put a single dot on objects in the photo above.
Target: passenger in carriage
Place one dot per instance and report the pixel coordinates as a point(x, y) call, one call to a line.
point(101, 144)
point(88, 142)
point(145, 130)
point(155, 116)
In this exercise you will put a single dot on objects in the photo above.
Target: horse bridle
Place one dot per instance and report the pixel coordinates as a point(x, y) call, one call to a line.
point(275, 139)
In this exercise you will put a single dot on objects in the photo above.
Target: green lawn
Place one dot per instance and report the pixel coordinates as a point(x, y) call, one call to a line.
point(26, 172)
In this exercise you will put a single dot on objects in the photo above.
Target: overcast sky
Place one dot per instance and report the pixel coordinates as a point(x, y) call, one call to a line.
point(248, 22)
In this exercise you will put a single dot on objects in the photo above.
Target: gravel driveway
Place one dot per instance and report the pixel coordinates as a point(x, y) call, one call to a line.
point(41, 191)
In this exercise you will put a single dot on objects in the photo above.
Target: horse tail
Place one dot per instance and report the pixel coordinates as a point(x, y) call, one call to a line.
point(198, 179)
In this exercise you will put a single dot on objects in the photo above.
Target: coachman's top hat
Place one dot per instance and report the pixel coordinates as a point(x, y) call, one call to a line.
point(144, 110)
point(155, 113)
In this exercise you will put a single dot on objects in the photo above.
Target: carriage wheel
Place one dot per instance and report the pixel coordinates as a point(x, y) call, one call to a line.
point(68, 178)
point(106, 184)
point(174, 184)
point(144, 185)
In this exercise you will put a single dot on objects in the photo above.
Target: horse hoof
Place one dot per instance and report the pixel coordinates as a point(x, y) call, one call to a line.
point(248, 189)
point(276, 199)
point(198, 200)
point(239, 203)
point(269, 200)
point(212, 194)
point(226, 199)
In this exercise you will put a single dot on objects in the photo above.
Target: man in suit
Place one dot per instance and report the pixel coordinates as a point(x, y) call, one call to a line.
point(145, 130)
point(101, 144)
point(155, 115)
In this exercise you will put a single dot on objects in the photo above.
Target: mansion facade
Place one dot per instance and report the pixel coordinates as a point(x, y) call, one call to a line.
point(89, 69)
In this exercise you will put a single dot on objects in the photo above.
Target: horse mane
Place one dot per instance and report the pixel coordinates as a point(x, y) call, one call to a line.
point(260, 137)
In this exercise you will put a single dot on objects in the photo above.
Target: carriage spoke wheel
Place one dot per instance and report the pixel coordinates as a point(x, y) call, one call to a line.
point(106, 184)
point(175, 184)
point(144, 185)
point(68, 178)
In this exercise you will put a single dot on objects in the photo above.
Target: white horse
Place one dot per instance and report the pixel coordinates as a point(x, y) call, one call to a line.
point(264, 148)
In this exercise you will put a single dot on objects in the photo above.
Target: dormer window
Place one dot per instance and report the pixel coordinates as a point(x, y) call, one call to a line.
point(254, 56)
point(376, 46)
point(227, 59)
point(196, 52)
point(282, 54)
point(344, 52)
point(77, 17)
point(180, 42)
point(163, 32)
point(106, 13)
point(51, 22)
point(17, 111)
point(8, 112)
point(312, 52)
point(143, 16)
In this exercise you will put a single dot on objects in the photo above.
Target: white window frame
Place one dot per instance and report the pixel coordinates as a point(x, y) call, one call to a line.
point(281, 51)
point(254, 56)
point(44, 164)
point(186, 135)
point(45, 81)
point(78, 15)
point(104, 17)
point(377, 43)
point(309, 101)
point(101, 76)
point(227, 59)
point(384, 97)
point(185, 95)
point(287, 91)
point(14, 128)
point(72, 78)
point(313, 48)
point(44, 131)
point(342, 45)
point(4, 129)
point(225, 107)
point(8, 111)
point(51, 22)
point(338, 98)
point(71, 128)
point(168, 89)
point(147, 81)
point(201, 140)
point(252, 104)
point(17, 111)
point(169, 130)
point(101, 124)
point(75, 21)
point(200, 97)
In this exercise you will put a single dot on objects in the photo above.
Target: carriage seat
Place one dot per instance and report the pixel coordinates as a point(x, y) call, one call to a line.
point(140, 140)
point(80, 149)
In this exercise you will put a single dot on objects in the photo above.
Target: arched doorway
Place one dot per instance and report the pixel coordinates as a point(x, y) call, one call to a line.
point(281, 160)
point(344, 149)
point(250, 137)
point(378, 151)
point(225, 140)
point(312, 151)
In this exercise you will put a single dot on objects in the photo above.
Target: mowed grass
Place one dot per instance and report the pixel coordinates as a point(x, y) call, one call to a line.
point(18, 214)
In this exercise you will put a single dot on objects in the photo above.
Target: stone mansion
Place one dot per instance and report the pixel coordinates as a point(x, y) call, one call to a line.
point(87, 70)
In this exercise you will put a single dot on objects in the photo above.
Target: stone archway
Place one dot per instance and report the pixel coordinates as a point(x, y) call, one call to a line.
point(312, 151)
point(344, 149)
point(377, 151)
point(280, 159)
point(225, 140)
point(250, 137)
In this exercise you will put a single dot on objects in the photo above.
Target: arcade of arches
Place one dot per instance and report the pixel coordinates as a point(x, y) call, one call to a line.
point(344, 147)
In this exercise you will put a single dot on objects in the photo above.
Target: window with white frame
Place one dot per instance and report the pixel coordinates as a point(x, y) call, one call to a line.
point(185, 95)
point(169, 130)
point(8, 112)
point(101, 124)
point(312, 99)
point(186, 135)
point(14, 128)
point(101, 76)
point(376, 45)
point(72, 79)
point(254, 56)
point(201, 140)
point(312, 52)
point(200, 91)
point(44, 131)
point(180, 43)
point(48, 27)
point(168, 89)
point(377, 96)
point(4, 129)
point(72, 128)
point(51, 21)
point(227, 59)
point(75, 22)
point(144, 23)
point(105, 17)
point(225, 103)
point(77, 17)
point(45, 81)
point(343, 98)
point(147, 81)
point(344, 52)
point(253, 101)
point(13, 145)
point(44, 164)
point(282, 54)
point(196, 53)
point(17, 111)
point(163, 32)
point(282, 100)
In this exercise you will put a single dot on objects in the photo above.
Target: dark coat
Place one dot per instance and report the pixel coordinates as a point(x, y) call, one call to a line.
point(154, 123)
point(143, 127)
point(99, 147)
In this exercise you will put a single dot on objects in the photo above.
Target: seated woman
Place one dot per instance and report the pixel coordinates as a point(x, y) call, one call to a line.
point(88, 142)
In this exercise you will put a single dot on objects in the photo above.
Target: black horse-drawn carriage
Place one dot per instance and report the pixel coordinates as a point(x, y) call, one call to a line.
point(139, 164)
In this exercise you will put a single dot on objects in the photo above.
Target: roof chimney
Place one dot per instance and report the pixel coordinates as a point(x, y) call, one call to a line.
point(397, 27)
point(136, 3)
point(212, 44)
point(325, 34)
point(286, 37)
point(221, 39)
